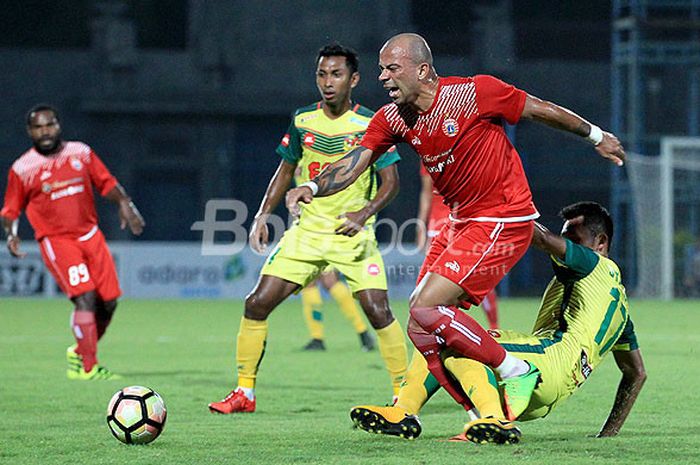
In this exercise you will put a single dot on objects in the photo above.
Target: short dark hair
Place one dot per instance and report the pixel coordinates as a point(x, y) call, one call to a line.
point(41, 107)
point(334, 49)
point(595, 217)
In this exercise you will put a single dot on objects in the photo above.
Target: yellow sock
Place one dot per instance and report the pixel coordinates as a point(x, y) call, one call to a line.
point(343, 297)
point(250, 349)
point(418, 386)
point(479, 383)
point(311, 305)
point(392, 347)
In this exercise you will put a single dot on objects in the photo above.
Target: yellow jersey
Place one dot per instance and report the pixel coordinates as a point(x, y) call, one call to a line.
point(313, 141)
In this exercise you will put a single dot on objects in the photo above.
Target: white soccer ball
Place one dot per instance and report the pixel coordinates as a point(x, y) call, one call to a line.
point(136, 415)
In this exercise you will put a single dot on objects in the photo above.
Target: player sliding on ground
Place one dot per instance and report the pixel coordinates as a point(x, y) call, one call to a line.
point(583, 316)
point(53, 182)
point(336, 231)
point(455, 124)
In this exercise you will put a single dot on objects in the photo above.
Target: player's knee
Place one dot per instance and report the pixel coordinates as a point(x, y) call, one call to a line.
point(423, 316)
point(375, 304)
point(258, 306)
point(379, 316)
point(86, 301)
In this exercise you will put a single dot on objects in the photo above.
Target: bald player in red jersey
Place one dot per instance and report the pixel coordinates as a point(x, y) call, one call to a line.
point(433, 215)
point(455, 124)
point(53, 182)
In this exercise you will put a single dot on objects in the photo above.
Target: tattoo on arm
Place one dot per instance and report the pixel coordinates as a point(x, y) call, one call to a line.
point(555, 116)
point(339, 175)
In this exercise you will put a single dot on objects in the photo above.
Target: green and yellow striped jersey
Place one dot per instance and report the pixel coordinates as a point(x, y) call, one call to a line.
point(312, 142)
point(585, 308)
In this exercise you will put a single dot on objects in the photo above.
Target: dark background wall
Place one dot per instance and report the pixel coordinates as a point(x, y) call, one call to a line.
point(187, 100)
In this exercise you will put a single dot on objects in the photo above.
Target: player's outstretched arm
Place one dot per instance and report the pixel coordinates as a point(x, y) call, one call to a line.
point(631, 365)
point(548, 242)
point(128, 213)
point(11, 226)
point(334, 178)
point(606, 144)
point(280, 182)
point(389, 188)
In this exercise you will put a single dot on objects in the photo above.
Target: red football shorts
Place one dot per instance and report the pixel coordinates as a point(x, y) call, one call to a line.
point(477, 255)
point(81, 265)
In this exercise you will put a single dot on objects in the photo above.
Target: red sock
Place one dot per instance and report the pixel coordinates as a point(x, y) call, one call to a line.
point(490, 306)
point(460, 332)
point(85, 332)
point(428, 345)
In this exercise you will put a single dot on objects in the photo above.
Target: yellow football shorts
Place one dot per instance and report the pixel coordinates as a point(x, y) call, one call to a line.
point(301, 255)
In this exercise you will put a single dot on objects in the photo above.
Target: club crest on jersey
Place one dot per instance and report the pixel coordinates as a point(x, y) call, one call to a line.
point(450, 127)
point(76, 164)
point(46, 187)
point(309, 139)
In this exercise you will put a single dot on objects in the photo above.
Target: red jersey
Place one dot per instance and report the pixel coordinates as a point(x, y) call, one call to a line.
point(56, 190)
point(463, 146)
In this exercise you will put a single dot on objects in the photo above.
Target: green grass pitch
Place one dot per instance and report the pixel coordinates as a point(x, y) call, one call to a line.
point(185, 351)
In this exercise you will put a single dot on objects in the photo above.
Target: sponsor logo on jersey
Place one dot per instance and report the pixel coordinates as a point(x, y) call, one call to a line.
point(415, 141)
point(67, 192)
point(453, 265)
point(285, 141)
point(450, 127)
point(76, 164)
point(362, 123)
point(439, 167)
point(45, 175)
point(304, 119)
point(309, 139)
point(586, 369)
point(373, 269)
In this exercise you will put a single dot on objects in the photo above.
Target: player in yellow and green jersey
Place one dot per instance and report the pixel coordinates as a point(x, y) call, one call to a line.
point(583, 316)
point(336, 231)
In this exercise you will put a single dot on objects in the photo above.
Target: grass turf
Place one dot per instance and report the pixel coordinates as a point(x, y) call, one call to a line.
point(185, 351)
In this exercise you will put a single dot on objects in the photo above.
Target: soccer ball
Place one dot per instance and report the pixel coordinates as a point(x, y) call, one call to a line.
point(136, 415)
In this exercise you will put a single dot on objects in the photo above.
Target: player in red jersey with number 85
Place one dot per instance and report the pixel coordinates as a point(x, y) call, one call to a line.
point(52, 182)
point(455, 124)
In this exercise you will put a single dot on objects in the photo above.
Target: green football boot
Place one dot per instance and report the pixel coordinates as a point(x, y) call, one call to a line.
point(517, 391)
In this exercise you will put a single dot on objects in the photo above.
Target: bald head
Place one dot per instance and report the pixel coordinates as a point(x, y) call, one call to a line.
point(413, 46)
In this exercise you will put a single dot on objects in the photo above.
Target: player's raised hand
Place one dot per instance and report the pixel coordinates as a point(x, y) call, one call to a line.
point(354, 222)
point(611, 148)
point(259, 233)
point(296, 195)
point(129, 215)
point(13, 246)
